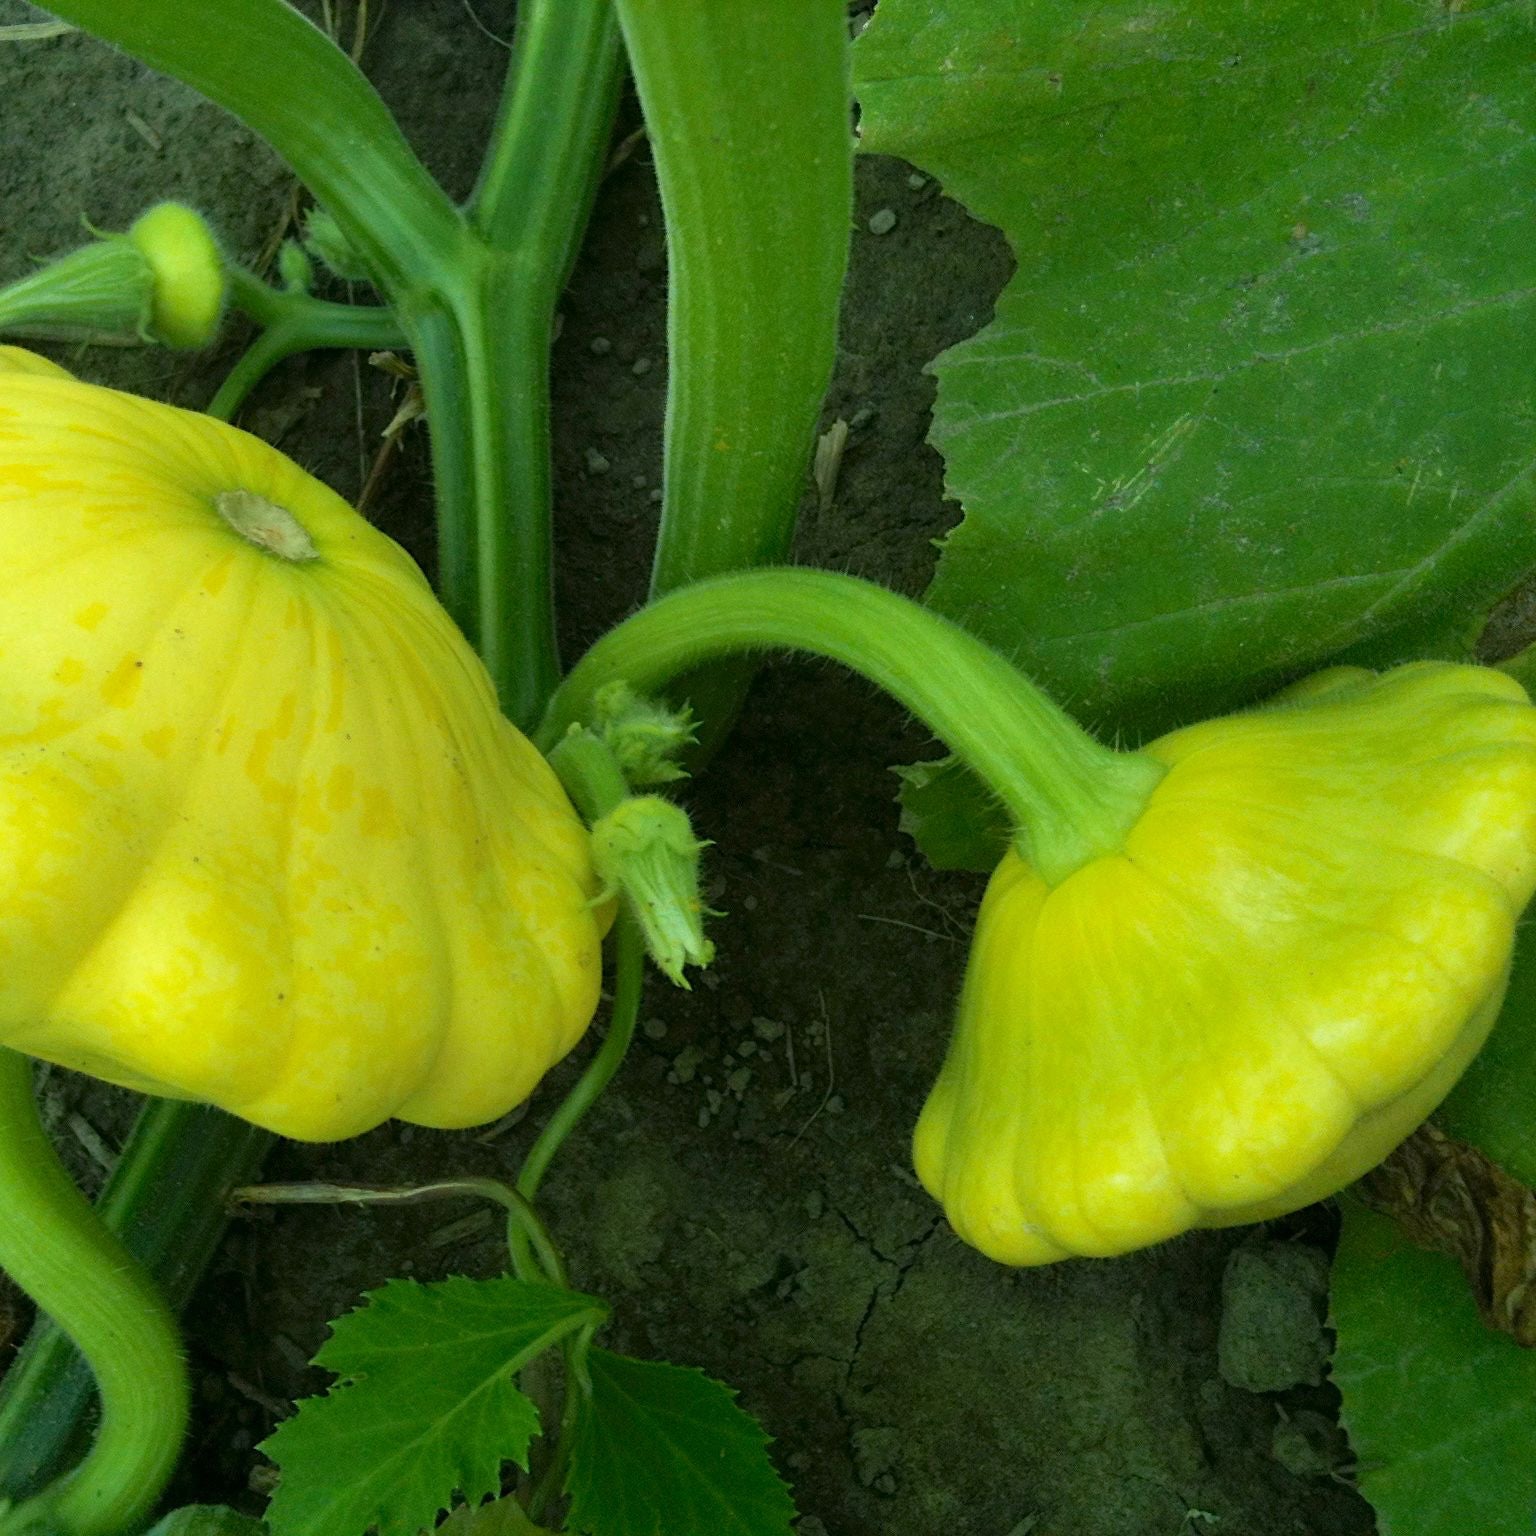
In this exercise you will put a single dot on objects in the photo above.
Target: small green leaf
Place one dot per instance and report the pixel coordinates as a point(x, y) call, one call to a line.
point(501, 1517)
point(426, 1405)
point(1260, 393)
point(207, 1520)
point(952, 816)
point(1441, 1411)
point(660, 1450)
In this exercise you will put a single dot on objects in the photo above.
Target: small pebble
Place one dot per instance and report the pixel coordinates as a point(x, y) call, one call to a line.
point(656, 497)
point(860, 419)
point(640, 367)
point(916, 182)
point(597, 463)
point(638, 481)
point(767, 1029)
point(1271, 1336)
point(883, 222)
point(655, 1029)
point(738, 1080)
point(600, 346)
point(685, 1064)
point(747, 1048)
point(836, 1105)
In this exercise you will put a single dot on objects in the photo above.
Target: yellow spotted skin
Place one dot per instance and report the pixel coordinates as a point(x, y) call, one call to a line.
point(265, 839)
point(1302, 944)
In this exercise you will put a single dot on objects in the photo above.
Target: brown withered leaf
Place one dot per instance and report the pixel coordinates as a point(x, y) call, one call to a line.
point(1452, 1198)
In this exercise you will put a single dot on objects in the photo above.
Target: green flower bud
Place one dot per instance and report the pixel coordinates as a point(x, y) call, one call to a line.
point(295, 268)
point(162, 281)
point(188, 279)
point(646, 850)
point(324, 240)
point(644, 736)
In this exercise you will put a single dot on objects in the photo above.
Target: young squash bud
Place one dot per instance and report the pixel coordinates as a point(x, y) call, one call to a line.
point(645, 736)
point(324, 241)
point(1302, 942)
point(163, 281)
point(645, 849)
point(188, 279)
point(265, 838)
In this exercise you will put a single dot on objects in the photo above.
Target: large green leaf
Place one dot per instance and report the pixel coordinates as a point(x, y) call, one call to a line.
point(1440, 1410)
point(1494, 1104)
point(661, 1450)
point(427, 1405)
point(1261, 390)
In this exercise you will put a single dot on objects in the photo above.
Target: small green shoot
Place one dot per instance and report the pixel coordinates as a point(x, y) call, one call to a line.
point(951, 815)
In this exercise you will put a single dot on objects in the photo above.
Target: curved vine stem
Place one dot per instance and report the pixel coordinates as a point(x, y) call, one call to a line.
point(522, 1220)
point(1070, 798)
point(629, 980)
point(59, 1251)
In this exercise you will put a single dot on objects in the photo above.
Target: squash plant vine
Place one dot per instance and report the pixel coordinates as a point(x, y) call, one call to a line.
point(1218, 975)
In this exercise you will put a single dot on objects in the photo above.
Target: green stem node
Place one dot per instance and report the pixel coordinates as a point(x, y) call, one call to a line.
point(55, 1247)
point(590, 773)
point(1070, 798)
point(291, 322)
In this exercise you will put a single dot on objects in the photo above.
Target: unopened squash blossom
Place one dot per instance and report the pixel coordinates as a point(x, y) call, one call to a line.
point(163, 280)
point(265, 838)
point(1300, 944)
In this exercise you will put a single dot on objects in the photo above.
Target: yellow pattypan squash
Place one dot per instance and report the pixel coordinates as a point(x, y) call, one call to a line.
point(265, 839)
point(1303, 941)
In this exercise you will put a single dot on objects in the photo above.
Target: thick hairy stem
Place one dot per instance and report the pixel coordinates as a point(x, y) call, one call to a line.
point(747, 110)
